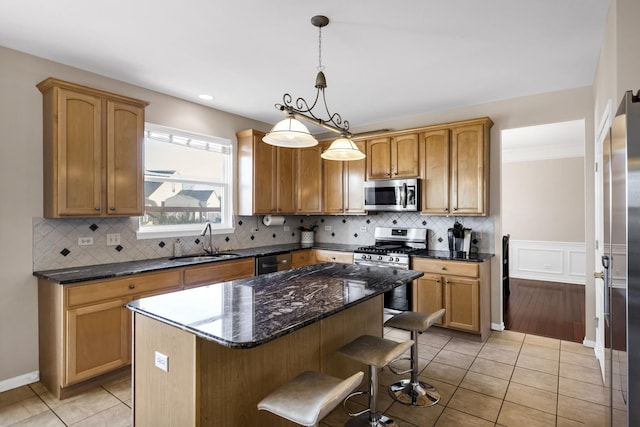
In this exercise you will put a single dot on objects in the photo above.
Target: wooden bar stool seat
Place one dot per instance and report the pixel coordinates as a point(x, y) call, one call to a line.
point(309, 397)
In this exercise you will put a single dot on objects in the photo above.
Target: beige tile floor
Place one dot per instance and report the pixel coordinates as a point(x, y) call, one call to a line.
point(511, 380)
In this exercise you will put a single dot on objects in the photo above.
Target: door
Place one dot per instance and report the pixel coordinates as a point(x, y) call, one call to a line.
point(285, 196)
point(462, 305)
point(435, 185)
point(404, 156)
point(467, 170)
point(309, 180)
point(98, 339)
point(379, 158)
point(600, 163)
point(429, 295)
point(79, 156)
point(125, 132)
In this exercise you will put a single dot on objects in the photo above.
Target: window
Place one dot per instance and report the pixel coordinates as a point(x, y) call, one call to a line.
point(187, 182)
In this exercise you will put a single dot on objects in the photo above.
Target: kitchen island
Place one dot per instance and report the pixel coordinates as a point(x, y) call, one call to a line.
point(225, 346)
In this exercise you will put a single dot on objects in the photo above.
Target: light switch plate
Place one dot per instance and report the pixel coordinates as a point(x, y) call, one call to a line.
point(85, 241)
point(113, 239)
point(162, 361)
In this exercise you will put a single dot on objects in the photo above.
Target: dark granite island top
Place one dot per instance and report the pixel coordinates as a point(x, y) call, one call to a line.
point(249, 312)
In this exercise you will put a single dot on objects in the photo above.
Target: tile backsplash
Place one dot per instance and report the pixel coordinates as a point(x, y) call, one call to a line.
point(55, 241)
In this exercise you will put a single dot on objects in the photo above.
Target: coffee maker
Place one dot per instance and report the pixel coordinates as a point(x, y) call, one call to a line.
point(459, 240)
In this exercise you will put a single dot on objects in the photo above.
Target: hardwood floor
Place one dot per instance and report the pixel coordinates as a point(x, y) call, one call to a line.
point(549, 309)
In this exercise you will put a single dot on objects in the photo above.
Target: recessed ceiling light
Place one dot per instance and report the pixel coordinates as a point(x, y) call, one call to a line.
point(205, 97)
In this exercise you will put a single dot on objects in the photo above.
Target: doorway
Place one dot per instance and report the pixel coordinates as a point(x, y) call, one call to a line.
point(543, 211)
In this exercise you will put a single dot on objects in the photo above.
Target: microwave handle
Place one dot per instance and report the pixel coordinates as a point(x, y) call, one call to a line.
point(404, 195)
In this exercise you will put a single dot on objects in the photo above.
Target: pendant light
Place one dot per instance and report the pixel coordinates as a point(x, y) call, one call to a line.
point(291, 132)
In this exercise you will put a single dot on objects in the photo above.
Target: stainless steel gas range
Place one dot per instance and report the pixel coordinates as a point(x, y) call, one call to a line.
point(392, 249)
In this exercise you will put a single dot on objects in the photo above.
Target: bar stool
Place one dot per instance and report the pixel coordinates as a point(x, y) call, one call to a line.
point(377, 353)
point(309, 397)
point(412, 391)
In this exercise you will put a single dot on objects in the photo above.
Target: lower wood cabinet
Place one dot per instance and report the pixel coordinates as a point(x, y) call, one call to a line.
point(302, 258)
point(462, 288)
point(218, 272)
point(85, 328)
point(324, 255)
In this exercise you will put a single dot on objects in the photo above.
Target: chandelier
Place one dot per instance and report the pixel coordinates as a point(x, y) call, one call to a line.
point(292, 133)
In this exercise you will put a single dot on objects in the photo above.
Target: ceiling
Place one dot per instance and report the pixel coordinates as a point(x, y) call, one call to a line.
point(382, 59)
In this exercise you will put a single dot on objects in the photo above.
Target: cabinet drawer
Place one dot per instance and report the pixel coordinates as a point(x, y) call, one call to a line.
point(116, 288)
point(219, 272)
point(454, 268)
point(333, 256)
point(301, 258)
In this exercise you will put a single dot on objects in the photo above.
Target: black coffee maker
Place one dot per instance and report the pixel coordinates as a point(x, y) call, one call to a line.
point(459, 240)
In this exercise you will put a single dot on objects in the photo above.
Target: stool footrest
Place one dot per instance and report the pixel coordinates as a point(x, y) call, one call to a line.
point(414, 394)
point(344, 404)
point(396, 370)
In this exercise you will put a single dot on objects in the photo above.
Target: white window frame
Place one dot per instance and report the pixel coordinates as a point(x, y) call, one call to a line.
point(185, 230)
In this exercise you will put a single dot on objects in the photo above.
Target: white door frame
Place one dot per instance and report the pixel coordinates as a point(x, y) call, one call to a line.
point(602, 132)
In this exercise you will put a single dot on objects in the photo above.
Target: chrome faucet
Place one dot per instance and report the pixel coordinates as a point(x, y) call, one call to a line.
point(207, 227)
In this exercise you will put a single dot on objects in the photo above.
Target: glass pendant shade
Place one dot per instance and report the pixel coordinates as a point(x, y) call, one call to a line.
point(343, 149)
point(290, 133)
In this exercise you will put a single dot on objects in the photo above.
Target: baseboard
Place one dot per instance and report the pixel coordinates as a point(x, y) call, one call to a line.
point(19, 381)
point(588, 343)
point(497, 326)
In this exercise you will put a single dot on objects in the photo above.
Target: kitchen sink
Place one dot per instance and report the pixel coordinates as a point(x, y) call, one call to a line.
point(203, 257)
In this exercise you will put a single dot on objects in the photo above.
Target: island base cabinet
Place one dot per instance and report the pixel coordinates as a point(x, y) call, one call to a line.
point(208, 384)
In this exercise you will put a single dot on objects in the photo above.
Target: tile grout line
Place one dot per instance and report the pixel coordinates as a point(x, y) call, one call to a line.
point(49, 408)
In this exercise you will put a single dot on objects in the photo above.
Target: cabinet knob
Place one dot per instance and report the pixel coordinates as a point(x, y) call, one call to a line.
point(446, 209)
point(455, 209)
point(97, 208)
point(444, 268)
point(112, 208)
point(132, 286)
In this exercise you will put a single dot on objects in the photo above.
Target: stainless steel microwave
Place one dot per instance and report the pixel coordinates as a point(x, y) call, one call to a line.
point(391, 195)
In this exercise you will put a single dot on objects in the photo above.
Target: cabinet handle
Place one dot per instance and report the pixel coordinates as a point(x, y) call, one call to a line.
point(112, 208)
point(132, 286)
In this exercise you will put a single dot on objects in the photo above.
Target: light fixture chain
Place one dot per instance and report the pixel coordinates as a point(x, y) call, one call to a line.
point(320, 67)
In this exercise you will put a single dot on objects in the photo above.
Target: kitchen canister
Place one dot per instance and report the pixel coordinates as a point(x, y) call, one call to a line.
point(306, 238)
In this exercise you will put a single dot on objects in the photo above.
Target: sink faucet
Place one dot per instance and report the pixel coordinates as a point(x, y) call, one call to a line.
point(207, 227)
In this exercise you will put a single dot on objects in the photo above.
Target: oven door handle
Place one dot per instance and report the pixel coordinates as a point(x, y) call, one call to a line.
point(375, 264)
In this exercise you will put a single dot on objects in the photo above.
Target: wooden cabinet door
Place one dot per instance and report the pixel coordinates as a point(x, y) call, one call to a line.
point(334, 185)
point(125, 133)
point(462, 303)
point(79, 157)
point(285, 184)
point(405, 156)
point(98, 340)
point(429, 295)
point(264, 176)
point(302, 258)
point(435, 183)
point(309, 180)
point(354, 176)
point(379, 158)
point(467, 170)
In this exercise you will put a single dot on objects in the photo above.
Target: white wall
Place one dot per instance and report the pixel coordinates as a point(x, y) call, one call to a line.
point(21, 186)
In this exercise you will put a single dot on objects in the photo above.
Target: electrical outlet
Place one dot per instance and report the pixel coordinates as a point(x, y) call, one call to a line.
point(327, 228)
point(85, 241)
point(286, 228)
point(162, 361)
point(363, 229)
point(113, 239)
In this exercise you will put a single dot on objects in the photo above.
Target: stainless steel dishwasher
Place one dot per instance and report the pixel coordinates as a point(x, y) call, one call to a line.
point(272, 263)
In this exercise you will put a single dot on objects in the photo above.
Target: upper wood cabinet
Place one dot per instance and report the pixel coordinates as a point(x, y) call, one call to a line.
point(455, 169)
point(344, 184)
point(92, 151)
point(308, 179)
point(266, 176)
point(393, 157)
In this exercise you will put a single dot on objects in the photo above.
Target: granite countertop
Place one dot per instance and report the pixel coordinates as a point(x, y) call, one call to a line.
point(72, 275)
point(452, 256)
point(249, 312)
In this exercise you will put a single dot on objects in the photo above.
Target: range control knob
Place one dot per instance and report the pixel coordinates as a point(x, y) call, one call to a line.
point(363, 256)
point(391, 259)
point(369, 257)
point(380, 258)
point(397, 259)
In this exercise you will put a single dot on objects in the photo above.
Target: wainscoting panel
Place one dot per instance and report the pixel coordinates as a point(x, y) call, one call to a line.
point(548, 261)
